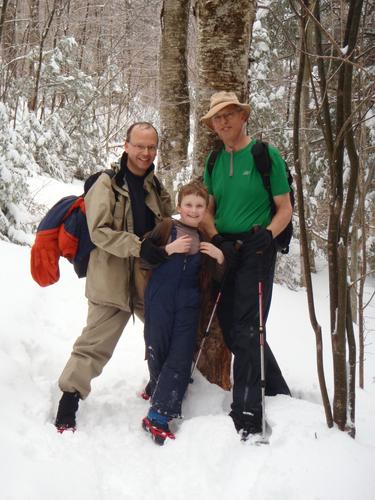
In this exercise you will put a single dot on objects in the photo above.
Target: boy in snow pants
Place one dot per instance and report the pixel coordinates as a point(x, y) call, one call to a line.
point(172, 308)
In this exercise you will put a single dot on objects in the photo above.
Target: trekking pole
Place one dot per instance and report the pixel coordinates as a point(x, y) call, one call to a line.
point(217, 300)
point(261, 343)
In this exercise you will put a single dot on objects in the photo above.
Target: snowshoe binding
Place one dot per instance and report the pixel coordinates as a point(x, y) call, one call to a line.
point(159, 432)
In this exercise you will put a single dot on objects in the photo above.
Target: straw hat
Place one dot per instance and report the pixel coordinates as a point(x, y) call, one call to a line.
point(219, 101)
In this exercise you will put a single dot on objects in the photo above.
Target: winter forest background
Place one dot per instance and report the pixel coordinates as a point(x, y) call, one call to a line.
point(74, 74)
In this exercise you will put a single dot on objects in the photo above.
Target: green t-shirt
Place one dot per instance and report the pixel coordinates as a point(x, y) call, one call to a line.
point(241, 200)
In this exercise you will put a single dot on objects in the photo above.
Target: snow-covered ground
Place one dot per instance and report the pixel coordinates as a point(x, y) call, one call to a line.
point(111, 458)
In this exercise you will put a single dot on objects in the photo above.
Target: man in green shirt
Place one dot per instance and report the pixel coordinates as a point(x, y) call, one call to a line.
point(240, 210)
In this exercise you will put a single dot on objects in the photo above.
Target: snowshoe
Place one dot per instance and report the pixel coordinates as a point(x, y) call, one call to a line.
point(66, 413)
point(159, 433)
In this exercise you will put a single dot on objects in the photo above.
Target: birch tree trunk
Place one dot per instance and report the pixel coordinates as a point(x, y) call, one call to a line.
point(224, 36)
point(173, 89)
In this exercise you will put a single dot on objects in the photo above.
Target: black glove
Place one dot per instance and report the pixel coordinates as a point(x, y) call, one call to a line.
point(258, 240)
point(228, 249)
point(152, 253)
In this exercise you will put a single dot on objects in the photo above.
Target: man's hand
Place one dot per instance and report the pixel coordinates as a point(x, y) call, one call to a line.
point(152, 253)
point(258, 239)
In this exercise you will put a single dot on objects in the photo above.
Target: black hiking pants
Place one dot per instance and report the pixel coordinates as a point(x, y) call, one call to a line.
point(238, 314)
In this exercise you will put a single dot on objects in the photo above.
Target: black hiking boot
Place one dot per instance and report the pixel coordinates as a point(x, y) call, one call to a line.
point(247, 424)
point(66, 413)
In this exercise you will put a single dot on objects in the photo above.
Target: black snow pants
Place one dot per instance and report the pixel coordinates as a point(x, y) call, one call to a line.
point(238, 314)
point(172, 307)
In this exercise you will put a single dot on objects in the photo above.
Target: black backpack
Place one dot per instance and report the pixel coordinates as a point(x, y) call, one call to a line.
point(263, 164)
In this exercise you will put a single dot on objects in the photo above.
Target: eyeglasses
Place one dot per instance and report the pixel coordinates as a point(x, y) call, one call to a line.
point(142, 147)
point(225, 116)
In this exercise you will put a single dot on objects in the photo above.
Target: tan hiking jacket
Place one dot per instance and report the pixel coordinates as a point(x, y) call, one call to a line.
point(110, 223)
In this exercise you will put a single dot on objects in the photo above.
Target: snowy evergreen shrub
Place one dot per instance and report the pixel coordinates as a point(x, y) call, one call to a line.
point(270, 89)
point(15, 166)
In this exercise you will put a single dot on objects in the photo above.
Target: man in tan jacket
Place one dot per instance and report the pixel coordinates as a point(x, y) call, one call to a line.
point(120, 210)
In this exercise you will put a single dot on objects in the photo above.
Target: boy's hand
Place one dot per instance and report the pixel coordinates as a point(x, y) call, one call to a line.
point(179, 245)
point(212, 251)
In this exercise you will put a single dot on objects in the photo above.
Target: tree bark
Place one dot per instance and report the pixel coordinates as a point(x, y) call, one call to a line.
point(351, 369)
point(224, 36)
point(33, 101)
point(305, 147)
point(2, 18)
point(173, 90)
point(340, 314)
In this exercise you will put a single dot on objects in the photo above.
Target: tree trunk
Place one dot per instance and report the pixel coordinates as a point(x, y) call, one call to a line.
point(351, 34)
point(2, 18)
point(305, 149)
point(173, 90)
point(340, 207)
point(33, 101)
point(224, 36)
point(82, 40)
point(8, 46)
point(303, 229)
point(352, 353)
point(33, 42)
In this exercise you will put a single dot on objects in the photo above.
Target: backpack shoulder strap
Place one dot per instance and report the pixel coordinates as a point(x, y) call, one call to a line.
point(218, 146)
point(263, 164)
point(262, 161)
point(94, 177)
point(212, 160)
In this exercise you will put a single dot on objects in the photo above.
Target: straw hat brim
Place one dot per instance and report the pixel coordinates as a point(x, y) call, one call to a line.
point(206, 119)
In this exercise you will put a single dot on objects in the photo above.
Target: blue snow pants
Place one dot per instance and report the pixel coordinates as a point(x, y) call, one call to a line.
point(172, 307)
